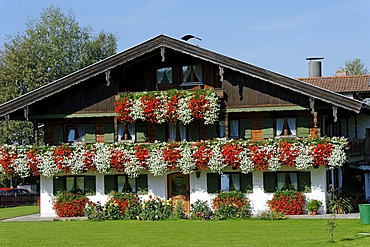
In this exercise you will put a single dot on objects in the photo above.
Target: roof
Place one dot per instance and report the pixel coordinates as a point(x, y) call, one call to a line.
point(166, 42)
point(341, 84)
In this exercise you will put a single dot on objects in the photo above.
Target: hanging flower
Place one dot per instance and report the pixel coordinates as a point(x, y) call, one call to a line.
point(132, 164)
point(156, 163)
point(186, 163)
point(102, 157)
point(246, 164)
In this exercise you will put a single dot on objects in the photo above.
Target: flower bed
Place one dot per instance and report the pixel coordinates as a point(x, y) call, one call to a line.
point(288, 202)
point(158, 158)
point(234, 204)
point(70, 204)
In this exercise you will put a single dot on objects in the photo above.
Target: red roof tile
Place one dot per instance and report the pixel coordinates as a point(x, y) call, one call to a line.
point(341, 84)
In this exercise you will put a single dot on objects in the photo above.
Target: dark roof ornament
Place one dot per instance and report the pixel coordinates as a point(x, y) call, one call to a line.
point(190, 36)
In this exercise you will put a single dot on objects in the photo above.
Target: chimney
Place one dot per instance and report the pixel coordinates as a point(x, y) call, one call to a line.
point(314, 66)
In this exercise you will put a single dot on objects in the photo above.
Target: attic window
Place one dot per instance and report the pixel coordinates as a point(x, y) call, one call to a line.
point(164, 76)
point(192, 74)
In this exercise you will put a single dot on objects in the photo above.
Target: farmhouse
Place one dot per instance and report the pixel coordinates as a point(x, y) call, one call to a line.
point(178, 121)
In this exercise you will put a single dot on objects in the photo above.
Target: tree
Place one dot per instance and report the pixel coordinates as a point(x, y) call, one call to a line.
point(354, 67)
point(52, 46)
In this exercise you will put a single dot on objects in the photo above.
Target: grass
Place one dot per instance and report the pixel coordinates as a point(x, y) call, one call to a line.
point(11, 212)
point(291, 232)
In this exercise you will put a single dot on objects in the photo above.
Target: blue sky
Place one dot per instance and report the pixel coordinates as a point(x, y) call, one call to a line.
point(276, 35)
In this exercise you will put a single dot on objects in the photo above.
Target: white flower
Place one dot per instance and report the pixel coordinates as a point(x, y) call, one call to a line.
point(246, 164)
point(132, 167)
point(186, 163)
point(304, 159)
point(102, 156)
point(20, 164)
point(137, 110)
point(156, 163)
point(47, 165)
point(76, 160)
point(216, 162)
point(211, 115)
point(184, 113)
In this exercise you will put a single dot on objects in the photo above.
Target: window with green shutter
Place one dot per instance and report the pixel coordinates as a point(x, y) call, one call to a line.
point(142, 184)
point(269, 182)
point(245, 128)
point(213, 182)
point(90, 136)
point(141, 132)
point(303, 126)
point(193, 131)
point(58, 184)
point(160, 132)
point(229, 181)
point(76, 184)
point(109, 132)
point(304, 181)
point(246, 182)
point(267, 128)
point(90, 185)
point(124, 183)
point(109, 184)
point(284, 180)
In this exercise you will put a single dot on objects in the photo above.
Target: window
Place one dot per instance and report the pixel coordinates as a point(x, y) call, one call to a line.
point(286, 127)
point(233, 181)
point(234, 129)
point(164, 76)
point(130, 132)
point(191, 73)
point(300, 181)
point(75, 133)
point(123, 183)
point(221, 129)
point(76, 184)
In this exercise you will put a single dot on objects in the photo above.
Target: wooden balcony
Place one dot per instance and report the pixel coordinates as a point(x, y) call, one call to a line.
point(356, 150)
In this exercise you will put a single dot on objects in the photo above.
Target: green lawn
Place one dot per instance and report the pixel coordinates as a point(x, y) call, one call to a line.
point(11, 212)
point(291, 232)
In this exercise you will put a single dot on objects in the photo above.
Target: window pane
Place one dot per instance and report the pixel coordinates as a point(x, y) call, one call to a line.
point(234, 129)
point(109, 184)
point(142, 184)
point(304, 181)
point(212, 182)
point(58, 185)
point(70, 184)
point(71, 133)
point(164, 76)
point(80, 184)
point(225, 182)
point(130, 185)
point(246, 182)
point(121, 180)
point(234, 181)
point(269, 181)
point(90, 185)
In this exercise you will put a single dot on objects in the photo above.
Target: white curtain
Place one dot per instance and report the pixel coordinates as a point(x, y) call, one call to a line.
point(120, 131)
point(132, 183)
point(234, 129)
point(81, 133)
point(121, 180)
point(185, 73)
point(160, 74)
point(131, 130)
point(80, 184)
point(222, 128)
point(225, 182)
point(281, 180)
point(279, 126)
point(292, 126)
point(293, 180)
point(172, 131)
point(182, 129)
point(169, 75)
point(71, 135)
point(70, 183)
point(198, 72)
point(235, 181)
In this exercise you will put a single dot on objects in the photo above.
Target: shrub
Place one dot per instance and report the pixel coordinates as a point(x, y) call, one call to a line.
point(156, 209)
point(288, 202)
point(95, 211)
point(271, 215)
point(338, 203)
point(201, 210)
point(178, 211)
point(128, 203)
point(232, 204)
point(67, 204)
point(313, 205)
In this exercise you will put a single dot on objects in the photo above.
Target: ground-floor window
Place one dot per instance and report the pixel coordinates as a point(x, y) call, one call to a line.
point(123, 183)
point(231, 181)
point(76, 184)
point(273, 181)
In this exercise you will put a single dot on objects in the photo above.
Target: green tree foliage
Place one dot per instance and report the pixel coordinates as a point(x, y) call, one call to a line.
point(354, 67)
point(52, 46)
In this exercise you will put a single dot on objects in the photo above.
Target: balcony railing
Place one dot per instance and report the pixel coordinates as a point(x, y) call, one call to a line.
point(356, 147)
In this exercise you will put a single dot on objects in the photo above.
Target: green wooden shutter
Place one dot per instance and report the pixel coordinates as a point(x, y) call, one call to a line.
point(213, 182)
point(267, 128)
point(210, 131)
point(246, 182)
point(90, 185)
point(269, 181)
point(245, 128)
point(58, 184)
point(109, 184)
point(304, 181)
point(160, 132)
point(142, 184)
point(90, 136)
point(141, 132)
point(303, 126)
point(193, 131)
point(109, 132)
point(58, 134)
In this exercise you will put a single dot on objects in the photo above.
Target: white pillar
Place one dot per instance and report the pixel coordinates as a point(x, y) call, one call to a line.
point(46, 196)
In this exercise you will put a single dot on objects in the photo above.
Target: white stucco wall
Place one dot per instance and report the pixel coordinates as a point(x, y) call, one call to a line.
point(198, 190)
